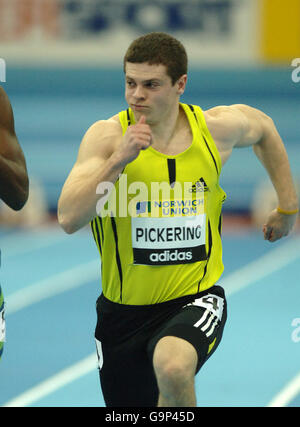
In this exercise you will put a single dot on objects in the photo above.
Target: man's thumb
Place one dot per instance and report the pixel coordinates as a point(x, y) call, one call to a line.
point(142, 120)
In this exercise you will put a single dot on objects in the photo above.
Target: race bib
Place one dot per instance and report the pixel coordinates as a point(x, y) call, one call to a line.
point(169, 240)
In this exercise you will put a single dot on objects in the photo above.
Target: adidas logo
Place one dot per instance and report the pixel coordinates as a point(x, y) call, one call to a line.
point(199, 186)
point(171, 256)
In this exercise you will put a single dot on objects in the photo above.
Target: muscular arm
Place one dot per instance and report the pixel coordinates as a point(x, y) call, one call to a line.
point(13, 173)
point(95, 164)
point(102, 156)
point(244, 126)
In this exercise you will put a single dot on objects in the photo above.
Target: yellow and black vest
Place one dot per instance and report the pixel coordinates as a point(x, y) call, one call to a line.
point(159, 233)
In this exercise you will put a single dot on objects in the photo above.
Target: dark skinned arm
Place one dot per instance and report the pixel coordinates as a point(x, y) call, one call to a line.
point(14, 183)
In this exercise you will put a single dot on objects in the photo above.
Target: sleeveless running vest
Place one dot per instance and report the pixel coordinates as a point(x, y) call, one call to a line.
point(159, 233)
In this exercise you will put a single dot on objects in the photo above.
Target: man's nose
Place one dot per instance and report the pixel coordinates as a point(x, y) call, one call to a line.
point(139, 92)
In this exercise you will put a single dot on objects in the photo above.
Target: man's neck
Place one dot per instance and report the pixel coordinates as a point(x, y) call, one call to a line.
point(167, 127)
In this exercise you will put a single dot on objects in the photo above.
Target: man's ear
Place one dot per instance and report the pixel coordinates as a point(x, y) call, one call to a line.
point(181, 84)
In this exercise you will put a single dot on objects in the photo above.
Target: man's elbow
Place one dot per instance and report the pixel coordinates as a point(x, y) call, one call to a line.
point(21, 196)
point(17, 205)
point(66, 223)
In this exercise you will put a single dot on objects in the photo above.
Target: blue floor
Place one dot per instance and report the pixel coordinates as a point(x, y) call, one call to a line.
point(255, 361)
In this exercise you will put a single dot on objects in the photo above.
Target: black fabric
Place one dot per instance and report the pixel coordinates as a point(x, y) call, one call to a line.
point(128, 336)
point(172, 171)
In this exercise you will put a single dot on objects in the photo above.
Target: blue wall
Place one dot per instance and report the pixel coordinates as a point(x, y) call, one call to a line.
point(54, 107)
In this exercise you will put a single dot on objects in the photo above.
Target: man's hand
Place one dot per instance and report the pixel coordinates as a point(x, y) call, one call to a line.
point(137, 137)
point(278, 225)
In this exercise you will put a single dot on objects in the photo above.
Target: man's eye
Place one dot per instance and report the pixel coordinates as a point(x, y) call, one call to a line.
point(152, 85)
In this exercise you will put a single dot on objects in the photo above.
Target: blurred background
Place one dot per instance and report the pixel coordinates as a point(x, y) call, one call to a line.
point(63, 71)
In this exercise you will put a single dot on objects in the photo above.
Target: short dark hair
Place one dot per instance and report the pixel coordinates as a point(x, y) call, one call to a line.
point(159, 48)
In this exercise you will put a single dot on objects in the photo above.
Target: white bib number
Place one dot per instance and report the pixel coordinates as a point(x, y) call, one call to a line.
point(163, 241)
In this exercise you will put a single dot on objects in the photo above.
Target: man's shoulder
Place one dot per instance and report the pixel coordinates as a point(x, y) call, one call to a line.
point(110, 125)
point(233, 114)
point(101, 138)
point(225, 112)
point(237, 125)
point(102, 130)
point(226, 122)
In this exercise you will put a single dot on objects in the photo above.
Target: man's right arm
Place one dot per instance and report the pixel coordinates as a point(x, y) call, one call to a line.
point(102, 156)
point(95, 163)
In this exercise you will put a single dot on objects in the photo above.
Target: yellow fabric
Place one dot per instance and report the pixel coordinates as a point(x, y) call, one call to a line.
point(210, 347)
point(123, 279)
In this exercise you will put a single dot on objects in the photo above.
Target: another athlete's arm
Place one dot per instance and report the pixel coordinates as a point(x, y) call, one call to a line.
point(102, 156)
point(13, 173)
point(243, 126)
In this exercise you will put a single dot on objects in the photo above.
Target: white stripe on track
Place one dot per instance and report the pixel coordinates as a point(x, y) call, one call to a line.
point(53, 285)
point(55, 382)
point(21, 243)
point(256, 270)
point(287, 394)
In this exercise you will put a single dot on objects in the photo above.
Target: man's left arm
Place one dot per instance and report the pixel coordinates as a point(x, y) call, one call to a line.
point(259, 130)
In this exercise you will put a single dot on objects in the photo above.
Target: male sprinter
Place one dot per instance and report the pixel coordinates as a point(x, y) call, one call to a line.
point(162, 314)
point(13, 176)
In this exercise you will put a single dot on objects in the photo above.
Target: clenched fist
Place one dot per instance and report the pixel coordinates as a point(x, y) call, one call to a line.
point(137, 137)
point(278, 225)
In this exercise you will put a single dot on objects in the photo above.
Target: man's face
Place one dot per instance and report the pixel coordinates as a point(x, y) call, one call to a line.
point(149, 91)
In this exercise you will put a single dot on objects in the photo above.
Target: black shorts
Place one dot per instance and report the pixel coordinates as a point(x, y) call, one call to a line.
point(126, 337)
